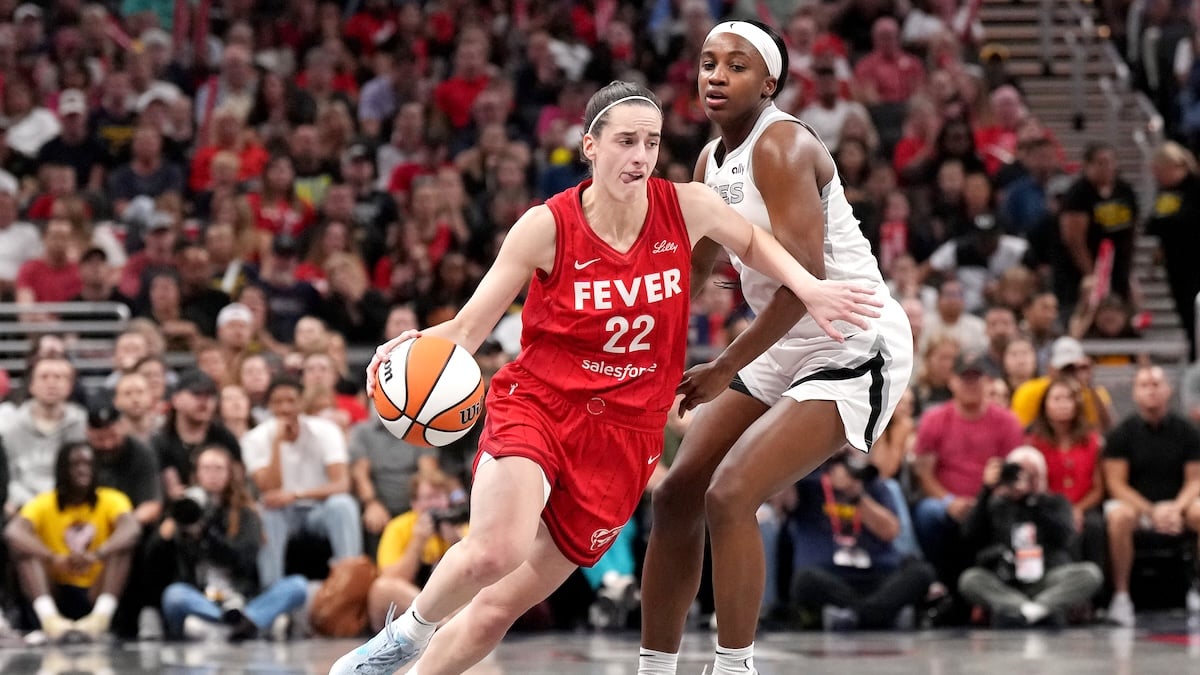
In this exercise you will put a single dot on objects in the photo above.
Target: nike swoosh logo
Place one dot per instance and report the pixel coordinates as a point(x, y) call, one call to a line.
point(582, 265)
point(653, 459)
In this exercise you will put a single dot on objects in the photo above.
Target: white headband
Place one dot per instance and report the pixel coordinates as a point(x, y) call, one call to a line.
point(610, 106)
point(758, 38)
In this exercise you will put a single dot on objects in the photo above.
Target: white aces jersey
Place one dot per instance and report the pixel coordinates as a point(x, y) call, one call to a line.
point(848, 254)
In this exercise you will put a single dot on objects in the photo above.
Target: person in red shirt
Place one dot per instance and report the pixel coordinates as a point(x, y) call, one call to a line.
point(887, 73)
point(54, 277)
point(1071, 447)
point(277, 209)
point(454, 98)
point(229, 134)
point(574, 425)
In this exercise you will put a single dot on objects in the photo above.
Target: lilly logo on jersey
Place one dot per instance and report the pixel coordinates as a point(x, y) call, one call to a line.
point(665, 246)
point(603, 537)
point(646, 289)
point(618, 372)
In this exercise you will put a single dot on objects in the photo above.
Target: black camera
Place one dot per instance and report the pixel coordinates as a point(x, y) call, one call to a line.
point(190, 508)
point(1010, 473)
point(857, 466)
point(458, 514)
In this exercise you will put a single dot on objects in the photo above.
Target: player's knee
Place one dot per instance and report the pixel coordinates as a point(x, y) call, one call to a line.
point(675, 500)
point(487, 563)
point(724, 501)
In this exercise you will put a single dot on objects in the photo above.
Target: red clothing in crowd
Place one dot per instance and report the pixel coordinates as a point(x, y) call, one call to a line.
point(1069, 472)
point(895, 79)
point(281, 215)
point(455, 96)
point(50, 283)
point(253, 160)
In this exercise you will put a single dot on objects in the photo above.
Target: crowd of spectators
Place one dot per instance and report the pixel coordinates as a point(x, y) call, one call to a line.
point(297, 180)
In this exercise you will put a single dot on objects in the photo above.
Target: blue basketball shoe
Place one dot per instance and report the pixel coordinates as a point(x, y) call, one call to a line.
point(383, 654)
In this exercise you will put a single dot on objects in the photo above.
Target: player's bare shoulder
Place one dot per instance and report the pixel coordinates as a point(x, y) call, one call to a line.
point(701, 206)
point(533, 237)
point(786, 145)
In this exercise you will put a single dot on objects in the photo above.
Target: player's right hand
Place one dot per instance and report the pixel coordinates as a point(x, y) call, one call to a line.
point(842, 301)
point(382, 353)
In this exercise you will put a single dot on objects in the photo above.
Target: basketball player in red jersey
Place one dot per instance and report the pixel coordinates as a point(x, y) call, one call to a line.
point(574, 425)
point(783, 396)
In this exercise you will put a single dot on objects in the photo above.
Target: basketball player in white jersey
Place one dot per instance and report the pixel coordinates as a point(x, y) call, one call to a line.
point(784, 397)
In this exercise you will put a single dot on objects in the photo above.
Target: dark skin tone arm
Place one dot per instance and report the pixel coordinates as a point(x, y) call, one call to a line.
point(1074, 226)
point(789, 164)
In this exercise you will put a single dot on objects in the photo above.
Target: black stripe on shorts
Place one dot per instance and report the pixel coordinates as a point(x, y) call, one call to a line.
point(874, 366)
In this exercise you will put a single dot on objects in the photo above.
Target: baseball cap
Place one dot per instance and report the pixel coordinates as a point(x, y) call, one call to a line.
point(164, 93)
point(967, 364)
point(93, 253)
point(356, 152)
point(195, 382)
point(102, 416)
point(235, 311)
point(160, 220)
point(27, 10)
point(72, 101)
point(285, 244)
point(1066, 351)
point(155, 36)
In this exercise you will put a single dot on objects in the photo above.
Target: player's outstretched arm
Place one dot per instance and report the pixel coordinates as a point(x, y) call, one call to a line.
point(827, 301)
point(528, 247)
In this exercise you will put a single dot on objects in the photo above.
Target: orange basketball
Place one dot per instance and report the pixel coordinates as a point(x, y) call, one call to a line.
point(430, 392)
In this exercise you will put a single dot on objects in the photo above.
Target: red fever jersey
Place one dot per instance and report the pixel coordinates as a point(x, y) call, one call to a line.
point(608, 324)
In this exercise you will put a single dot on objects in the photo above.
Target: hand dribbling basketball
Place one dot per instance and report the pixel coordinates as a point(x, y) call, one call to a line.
point(383, 353)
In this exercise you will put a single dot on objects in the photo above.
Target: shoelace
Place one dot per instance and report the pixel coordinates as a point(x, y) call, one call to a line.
point(385, 655)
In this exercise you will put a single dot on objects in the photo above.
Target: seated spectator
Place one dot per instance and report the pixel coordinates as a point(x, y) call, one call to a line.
point(97, 282)
point(72, 547)
point(211, 360)
point(358, 310)
point(381, 469)
point(190, 426)
point(1019, 364)
point(233, 409)
point(978, 258)
point(52, 277)
point(846, 565)
point(287, 297)
point(1024, 572)
point(161, 302)
point(199, 302)
point(298, 465)
point(131, 398)
point(1000, 327)
point(129, 348)
point(210, 543)
point(147, 173)
point(74, 146)
point(235, 331)
point(888, 74)
point(828, 112)
point(952, 319)
point(157, 256)
point(125, 464)
point(254, 376)
point(1066, 358)
point(1110, 318)
point(34, 434)
point(1041, 323)
point(937, 368)
point(413, 543)
point(954, 442)
point(276, 207)
point(320, 374)
point(159, 378)
point(20, 241)
point(1072, 453)
point(1152, 471)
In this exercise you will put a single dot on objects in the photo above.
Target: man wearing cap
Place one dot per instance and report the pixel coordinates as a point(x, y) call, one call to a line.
point(113, 121)
point(979, 257)
point(158, 255)
point(288, 299)
point(20, 241)
point(53, 277)
point(74, 146)
point(190, 427)
point(95, 275)
point(125, 464)
point(1066, 358)
point(955, 440)
point(235, 331)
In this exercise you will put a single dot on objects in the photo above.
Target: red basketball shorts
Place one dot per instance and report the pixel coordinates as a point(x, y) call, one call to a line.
point(597, 459)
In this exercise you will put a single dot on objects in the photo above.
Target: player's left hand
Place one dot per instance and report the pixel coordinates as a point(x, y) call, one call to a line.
point(703, 383)
point(383, 353)
point(842, 301)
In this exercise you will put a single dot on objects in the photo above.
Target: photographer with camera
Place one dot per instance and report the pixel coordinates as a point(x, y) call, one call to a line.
point(1024, 572)
point(845, 561)
point(414, 542)
point(209, 544)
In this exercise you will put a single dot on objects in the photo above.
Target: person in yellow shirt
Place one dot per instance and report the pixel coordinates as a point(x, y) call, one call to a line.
point(413, 542)
point(1066, 358)
point(73, 547)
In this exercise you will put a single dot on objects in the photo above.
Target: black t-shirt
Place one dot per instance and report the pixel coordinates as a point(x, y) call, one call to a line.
point(1156, 455)
point(1175, 220)
point(202, 309)
point(173, 453)
point(132, 469)
point(114, 132)
point(81, 157)
point(1113, 218)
